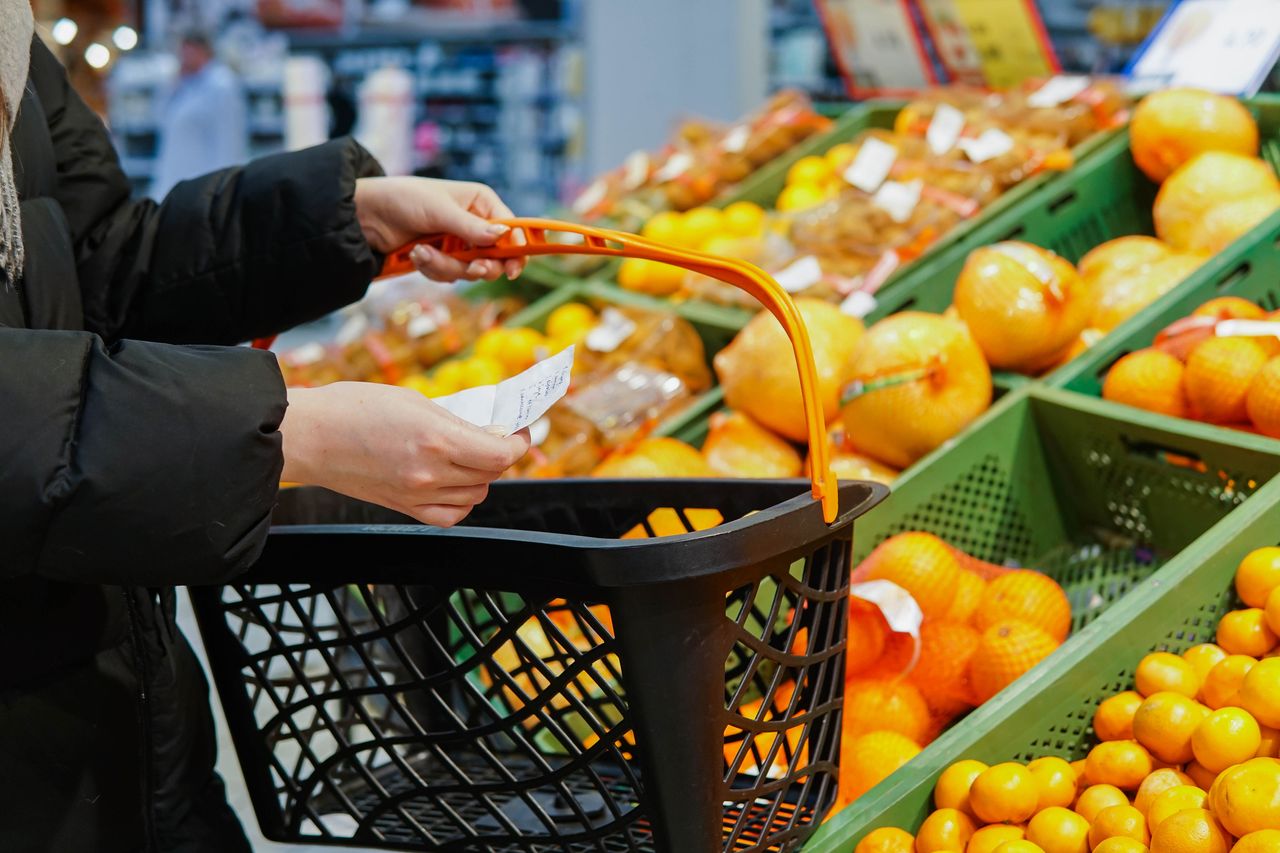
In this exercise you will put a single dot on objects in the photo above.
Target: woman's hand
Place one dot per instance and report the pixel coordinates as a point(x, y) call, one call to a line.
point(393, 211)
point(393, 447)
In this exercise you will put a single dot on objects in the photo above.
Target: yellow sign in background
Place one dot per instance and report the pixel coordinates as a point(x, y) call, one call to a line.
point(1009, 38)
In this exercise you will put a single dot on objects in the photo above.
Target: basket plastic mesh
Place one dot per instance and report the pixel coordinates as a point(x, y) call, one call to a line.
point(412, 717)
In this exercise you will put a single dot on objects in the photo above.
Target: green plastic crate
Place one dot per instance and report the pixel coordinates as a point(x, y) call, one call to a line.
point(1049, 711)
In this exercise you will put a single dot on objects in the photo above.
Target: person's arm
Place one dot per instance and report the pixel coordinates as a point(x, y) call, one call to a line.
point(236, 254)
point(158, 464)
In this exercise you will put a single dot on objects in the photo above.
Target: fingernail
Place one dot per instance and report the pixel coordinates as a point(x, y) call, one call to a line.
point(475, 269)
point(497, 229)
point(420, 254)
point(498, 430)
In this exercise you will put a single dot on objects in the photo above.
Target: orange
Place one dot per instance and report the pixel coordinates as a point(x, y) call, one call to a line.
point(1172, 801)
point(1226, 737)
point(1024, 305)
point(1190, 831)
point(1262, 841)
point(952, 789)
point(1137, 288)
point(1121, 763)
point(868, 632)
point(1108, 260)
point(1263, 403)
point(1203, 658)
point(655, 457)
point(874, 705)
point(1161, 671)
point(1148, 379)
point(945, 829)
point(1164, 724)
point(1203, 182)
point(969, 591)
point(1004, 793)
point(1230, 308)
point(1258, 574)
point(895, 662)
point(942, 671)
point(1097, 797)
point(737, 446)
point(887, 839)
point(1225, 223)
point(916, 380)
point(1218, 375)
point(1260, 693)
point(1120, 845)
point(1245, 632)
point(1022, 846)
point(1202, 778)
point(758, 368)
point(867, 760)
point(1155, 785)
point(1118, 822)
point(920, 563)
point(1059, 830)
point(1269, 744)
point(1027, 596)
point(1273, 610)
point(990, 838)
point(1007, 650)
point(1171, 126)
point(1225, 680)
point(1055, 780)
point(1246, 798)
point(1114, 718)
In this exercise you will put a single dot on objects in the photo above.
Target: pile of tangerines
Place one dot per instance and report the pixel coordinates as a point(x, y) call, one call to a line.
point(1185, 763)
point(1233, 381)
point(984, 626)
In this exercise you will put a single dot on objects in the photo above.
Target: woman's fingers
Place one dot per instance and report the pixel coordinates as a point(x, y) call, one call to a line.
point(438, 515)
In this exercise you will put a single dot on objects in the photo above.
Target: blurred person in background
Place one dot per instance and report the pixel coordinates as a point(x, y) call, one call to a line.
point(141, 449)
point(204, 122)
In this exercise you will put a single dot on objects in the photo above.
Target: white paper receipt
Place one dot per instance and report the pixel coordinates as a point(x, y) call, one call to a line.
point(517, 402)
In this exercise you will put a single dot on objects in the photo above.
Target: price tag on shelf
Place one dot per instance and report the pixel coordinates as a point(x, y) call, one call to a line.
point(991, 144)
point(517, 402)
point(944, 129)
point(1225, 46)
point(858, 304)
point(614, 328)
point(898, 199)
point(872, 165)
point(800, 274)
point(1058, 90)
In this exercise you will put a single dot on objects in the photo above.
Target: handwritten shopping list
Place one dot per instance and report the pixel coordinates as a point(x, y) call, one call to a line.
point(517, 402)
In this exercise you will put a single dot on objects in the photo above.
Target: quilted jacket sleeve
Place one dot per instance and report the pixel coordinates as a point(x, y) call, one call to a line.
point(239, 253)
point(135, 462)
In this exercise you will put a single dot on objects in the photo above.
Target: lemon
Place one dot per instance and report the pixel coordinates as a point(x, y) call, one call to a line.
point(490, 343)
point(663, 227)
point(725, 247)
point(481, 370)
point(744, 219)
point(571, 321)
point(419, 383)
point(840, 156)
point(449, 378)
point(520, 349)
point(809, 170)
point(801, 197)
point(644, 276)
point(700, 225)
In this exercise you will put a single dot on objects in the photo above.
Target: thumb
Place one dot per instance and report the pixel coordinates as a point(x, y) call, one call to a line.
point(474, 229)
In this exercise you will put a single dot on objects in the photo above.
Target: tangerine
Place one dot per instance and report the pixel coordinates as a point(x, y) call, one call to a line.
point(1246, 632)
point(1204, 658)
point(1004, 793)
point(887, 839)
point(1148, 379)
point(1262, 404)
point(1172, 801)
point(1246, 798)
point(867, 760)
point(1097, 797)
point(1164, 672)
point(1155, 785)
point(1260, 694)
point(1055, 780)
point(969, 592)
point(920, 563)
point(1027, 596)
point(1114, 718)
point(1007, 650)
point(1262, 841)
point(1258, 574)
point(1121, 763)
point(1218, 376)
point(1118, 822)
point(945, 829)
point(988, 839)
point(1190, 831)
point(952, 788)
point(1226, 737)
point(875, 705)
point(1059, 830)
point(1165, 723)
point(942, 671)
point(1225, 680)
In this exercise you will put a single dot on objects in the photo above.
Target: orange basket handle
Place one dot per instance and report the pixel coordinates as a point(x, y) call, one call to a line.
point(528, 237)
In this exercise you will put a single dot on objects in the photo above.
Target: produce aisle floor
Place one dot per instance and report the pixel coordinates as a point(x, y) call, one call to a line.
point(228, 766)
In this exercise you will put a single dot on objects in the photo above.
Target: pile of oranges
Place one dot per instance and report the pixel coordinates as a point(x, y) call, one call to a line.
point(1186, 761)
point(1233, 381)
point(983, 628)
point(704, 229)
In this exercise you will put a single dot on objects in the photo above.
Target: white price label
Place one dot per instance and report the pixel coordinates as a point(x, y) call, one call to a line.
point(422, 325)
point(677, 164)
point(1225, 46)
point(800, 274)
point(991, 144)
point(517, 402)
point(944, 129)
point(590, 197)
point(614, 328)
point(352, 330)
point(635, 170)
point(858, 304)
point(1058, 90)
point(872, 165)
point(898, 199)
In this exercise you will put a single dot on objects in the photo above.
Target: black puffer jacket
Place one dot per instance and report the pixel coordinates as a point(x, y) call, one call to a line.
point(132, 460)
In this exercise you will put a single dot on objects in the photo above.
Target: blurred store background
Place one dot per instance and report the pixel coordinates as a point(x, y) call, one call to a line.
point(530, 96)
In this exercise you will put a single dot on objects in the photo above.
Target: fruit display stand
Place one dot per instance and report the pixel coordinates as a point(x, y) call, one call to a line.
point(1050, 710)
